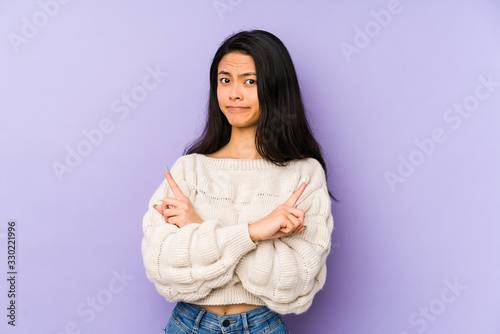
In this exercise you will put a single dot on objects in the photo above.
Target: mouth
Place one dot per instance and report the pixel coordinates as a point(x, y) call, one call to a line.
point(234, 108)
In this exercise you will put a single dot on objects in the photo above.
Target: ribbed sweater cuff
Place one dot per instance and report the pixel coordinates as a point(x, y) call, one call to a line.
point(237, 240)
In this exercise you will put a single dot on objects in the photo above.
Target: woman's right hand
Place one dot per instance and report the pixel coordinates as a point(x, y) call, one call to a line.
point(179, 210)
point(284, 220)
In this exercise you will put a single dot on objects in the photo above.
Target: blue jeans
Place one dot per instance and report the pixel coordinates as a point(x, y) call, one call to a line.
point(189, 319)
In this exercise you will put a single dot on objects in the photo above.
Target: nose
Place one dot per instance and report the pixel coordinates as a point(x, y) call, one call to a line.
point(235, 93)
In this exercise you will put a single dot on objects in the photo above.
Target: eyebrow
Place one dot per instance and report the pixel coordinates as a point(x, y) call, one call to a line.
point(247, 74)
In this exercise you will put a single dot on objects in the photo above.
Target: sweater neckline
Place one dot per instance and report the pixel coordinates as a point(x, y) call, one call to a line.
point(234, 163)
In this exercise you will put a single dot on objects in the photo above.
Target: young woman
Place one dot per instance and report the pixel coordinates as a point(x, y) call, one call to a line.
point(239, 232)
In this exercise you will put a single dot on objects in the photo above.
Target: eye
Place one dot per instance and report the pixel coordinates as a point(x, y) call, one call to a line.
point(224, 80)
point(251, 81)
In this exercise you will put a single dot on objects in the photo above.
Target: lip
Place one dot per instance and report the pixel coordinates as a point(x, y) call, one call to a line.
point(234, 108)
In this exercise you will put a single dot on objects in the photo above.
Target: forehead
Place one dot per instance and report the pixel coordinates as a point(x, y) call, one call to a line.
point(236, 62)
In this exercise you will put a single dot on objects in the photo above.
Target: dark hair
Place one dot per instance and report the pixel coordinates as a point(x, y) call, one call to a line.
point(283, 132)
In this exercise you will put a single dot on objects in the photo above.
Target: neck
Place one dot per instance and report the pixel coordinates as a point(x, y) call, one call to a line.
point(241, 145)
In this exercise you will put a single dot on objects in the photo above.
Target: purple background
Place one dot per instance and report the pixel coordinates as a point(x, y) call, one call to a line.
point(396, 250)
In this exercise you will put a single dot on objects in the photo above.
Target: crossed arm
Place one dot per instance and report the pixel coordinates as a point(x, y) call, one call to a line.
point(187, 258)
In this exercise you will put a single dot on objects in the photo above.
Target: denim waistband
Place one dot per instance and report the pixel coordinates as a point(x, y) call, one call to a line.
point(229, 322)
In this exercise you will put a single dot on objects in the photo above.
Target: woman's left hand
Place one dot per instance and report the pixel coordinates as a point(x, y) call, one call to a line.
point(179, 210)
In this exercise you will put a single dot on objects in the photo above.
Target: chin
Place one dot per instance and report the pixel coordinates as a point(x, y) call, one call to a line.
point(239, 123)
point(244, 126)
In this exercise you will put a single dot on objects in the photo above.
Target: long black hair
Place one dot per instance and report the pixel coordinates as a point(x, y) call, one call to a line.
point(283, 132)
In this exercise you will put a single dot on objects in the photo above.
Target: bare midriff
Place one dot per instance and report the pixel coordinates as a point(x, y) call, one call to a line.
point(229, 309)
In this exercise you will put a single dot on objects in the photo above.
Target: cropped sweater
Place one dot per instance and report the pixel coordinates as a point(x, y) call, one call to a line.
point(216, 262)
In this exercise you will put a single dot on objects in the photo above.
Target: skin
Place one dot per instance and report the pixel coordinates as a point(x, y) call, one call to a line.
point(238, 100)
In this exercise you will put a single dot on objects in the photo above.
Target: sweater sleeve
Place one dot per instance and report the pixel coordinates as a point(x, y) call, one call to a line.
point(185, 264)
point(287, 272)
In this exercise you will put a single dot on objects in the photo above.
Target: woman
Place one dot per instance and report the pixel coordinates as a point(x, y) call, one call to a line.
point(239, 232)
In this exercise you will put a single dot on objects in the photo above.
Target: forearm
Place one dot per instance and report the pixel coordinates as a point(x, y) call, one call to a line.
point(196, 258)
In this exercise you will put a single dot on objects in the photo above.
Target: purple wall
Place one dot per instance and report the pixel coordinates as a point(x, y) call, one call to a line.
point(404, 97)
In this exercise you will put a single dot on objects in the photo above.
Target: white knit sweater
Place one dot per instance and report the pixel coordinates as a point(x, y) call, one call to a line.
point(216, 262)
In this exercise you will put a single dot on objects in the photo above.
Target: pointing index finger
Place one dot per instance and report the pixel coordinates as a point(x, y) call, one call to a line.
point(173, 185)
point(295, 196)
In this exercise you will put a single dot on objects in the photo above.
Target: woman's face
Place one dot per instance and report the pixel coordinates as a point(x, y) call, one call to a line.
point(237, 90)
